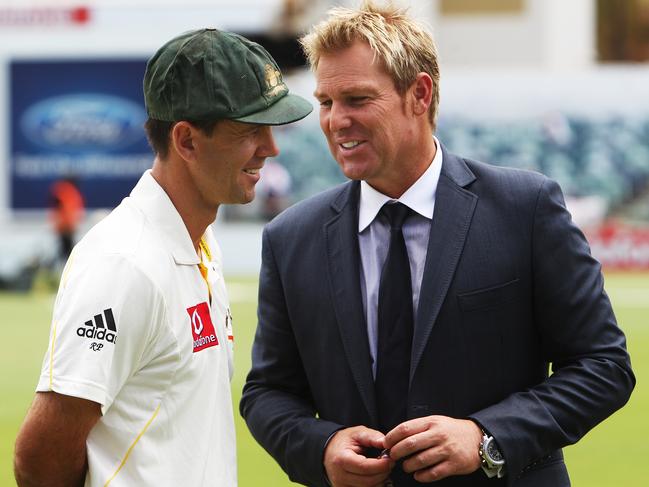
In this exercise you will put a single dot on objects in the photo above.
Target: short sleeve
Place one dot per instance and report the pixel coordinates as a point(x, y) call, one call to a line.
point(105, 314)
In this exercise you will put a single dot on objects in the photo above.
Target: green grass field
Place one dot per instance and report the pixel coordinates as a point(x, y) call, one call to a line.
point(613, 454)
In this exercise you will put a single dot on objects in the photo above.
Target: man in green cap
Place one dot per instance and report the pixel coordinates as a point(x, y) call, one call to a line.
point(135, 385)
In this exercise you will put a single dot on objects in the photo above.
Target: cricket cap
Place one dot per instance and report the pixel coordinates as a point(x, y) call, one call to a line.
point(210, 74)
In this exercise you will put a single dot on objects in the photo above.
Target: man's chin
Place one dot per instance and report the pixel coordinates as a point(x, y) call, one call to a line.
point(246, 200)
point(353, 172)
point(240, 199)
point(248, 197)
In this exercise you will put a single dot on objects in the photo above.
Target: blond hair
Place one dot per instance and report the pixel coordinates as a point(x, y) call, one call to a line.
point(403, 45)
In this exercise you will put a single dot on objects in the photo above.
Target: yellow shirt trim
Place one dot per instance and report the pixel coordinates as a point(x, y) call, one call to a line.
point(205, 250)
point(52, 353)
point(66, 270)
point(128, 452)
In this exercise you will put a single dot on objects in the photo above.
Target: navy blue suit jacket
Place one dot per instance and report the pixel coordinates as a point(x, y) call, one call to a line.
point(509, 292)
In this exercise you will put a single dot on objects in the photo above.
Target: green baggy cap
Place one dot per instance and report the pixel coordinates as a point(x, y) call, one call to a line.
point(209, 74)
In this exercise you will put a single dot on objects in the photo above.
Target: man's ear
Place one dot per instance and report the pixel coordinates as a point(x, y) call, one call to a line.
point(183, 140)
point(422, 93)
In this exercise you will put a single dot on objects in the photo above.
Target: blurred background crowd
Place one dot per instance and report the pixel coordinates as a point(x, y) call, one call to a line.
point(552, 86)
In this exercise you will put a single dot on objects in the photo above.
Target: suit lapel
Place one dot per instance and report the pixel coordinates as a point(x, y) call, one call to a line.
point(343, 257)
point(454, 207)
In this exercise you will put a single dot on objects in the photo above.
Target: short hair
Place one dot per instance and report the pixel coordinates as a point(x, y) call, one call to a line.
point(159, 131)
point(402, 44)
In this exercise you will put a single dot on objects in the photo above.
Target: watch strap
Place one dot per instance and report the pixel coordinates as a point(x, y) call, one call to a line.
point(487, 465)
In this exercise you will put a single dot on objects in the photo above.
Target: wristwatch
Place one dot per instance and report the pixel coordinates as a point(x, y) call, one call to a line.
point(492, 461)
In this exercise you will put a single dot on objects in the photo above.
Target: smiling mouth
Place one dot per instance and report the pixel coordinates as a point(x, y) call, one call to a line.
point(252, 172)
point(351, 144)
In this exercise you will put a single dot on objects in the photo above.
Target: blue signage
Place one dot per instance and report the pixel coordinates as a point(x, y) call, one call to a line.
point(81, 119)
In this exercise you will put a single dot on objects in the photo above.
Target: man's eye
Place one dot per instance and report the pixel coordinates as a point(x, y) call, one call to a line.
point(249, 134)
point(358, 99)
point(325, 103)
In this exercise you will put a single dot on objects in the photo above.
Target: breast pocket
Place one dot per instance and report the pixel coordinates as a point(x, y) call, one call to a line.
point(486, 318)
point(489, 297)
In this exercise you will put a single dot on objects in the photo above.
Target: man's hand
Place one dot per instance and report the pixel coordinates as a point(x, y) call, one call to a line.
point(346, 464)
point(436, 447)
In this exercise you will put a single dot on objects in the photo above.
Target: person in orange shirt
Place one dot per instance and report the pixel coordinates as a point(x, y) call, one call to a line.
point(67, 210)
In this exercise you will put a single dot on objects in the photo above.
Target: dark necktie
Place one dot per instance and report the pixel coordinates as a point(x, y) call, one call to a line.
point(395, 325)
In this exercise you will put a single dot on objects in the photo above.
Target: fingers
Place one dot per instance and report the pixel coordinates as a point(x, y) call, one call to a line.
point(436, 472)
point(368, 438)
point(346, 464)
point(407, 429)
point(413, 436)
point(432, 447)
point(356, 470)
point(360, 465)
point(425, 458)
point(435, 447)
point(357, 438)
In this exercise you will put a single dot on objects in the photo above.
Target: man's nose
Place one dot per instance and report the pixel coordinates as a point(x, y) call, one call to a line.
point(268, 147)
point(339, 118)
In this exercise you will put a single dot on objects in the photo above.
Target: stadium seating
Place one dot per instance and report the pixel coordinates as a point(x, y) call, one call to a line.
point(607, 157)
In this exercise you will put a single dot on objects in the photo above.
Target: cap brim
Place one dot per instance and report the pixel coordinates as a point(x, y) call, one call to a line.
point(289, 108)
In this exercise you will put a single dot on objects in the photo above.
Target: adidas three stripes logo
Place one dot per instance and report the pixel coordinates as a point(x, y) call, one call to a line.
point(100, 327)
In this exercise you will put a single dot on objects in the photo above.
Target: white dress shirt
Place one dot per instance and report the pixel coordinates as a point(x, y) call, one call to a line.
point(374, 239)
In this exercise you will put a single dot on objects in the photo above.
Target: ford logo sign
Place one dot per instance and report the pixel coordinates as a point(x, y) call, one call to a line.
point(84, 122)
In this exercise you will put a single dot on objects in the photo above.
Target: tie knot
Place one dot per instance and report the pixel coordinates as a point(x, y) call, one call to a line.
point(396, 213)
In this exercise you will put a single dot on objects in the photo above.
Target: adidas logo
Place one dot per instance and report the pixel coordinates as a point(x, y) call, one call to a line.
point(99, 329)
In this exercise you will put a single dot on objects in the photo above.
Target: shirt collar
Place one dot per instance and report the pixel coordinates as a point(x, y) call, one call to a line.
point(420, 197)
point(149, 197)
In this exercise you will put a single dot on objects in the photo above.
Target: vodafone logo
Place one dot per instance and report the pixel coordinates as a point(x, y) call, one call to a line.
point(197, 322)
point(203, 333)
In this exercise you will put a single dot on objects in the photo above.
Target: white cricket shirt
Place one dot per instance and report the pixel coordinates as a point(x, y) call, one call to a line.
point(136, 329)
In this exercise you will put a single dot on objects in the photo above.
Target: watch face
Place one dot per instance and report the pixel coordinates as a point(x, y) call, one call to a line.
point(493, 452)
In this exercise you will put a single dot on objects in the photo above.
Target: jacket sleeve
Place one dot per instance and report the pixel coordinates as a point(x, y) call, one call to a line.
point(591, 370)
point(276, 403)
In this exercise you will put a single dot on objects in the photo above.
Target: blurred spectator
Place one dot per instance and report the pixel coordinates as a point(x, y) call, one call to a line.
point(67, 211)
point(274, 189)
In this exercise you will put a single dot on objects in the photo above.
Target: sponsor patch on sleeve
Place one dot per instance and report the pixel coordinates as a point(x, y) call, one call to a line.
point(101, 329)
